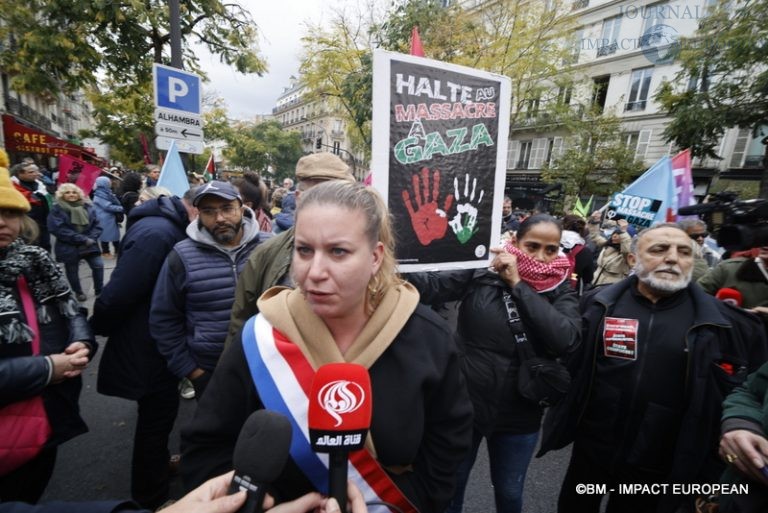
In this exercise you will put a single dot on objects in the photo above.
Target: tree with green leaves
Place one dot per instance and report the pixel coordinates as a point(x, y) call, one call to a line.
point(520, 39)
point(108, 48)
point(59, 46)
point(264, 146)
point(723, 81)
point(596, 160)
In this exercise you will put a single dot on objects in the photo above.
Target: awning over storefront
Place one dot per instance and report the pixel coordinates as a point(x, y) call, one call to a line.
point(20, 137)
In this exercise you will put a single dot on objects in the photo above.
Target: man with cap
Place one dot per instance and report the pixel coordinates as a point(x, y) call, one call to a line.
point(269, 265)
point(195, 290)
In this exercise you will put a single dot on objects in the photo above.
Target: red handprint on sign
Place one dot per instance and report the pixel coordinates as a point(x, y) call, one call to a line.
point(428, 221)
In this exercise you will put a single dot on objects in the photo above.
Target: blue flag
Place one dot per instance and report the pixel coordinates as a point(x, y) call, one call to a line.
point(648, 200)
point(172, 175)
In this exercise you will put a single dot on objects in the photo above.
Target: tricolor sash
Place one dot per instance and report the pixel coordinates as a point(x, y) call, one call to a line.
point(283, 378)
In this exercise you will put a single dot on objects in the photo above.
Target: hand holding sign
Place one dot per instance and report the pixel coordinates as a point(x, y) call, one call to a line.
point(464, 223)
point(428, 221)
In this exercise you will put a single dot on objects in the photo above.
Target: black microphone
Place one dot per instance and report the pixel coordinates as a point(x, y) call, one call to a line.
point(339, 414)
point(260, 455)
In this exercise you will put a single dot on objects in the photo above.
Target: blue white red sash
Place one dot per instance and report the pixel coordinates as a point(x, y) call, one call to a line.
point(283, 378)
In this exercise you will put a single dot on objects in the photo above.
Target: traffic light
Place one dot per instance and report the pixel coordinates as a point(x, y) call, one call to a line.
point(319, 143)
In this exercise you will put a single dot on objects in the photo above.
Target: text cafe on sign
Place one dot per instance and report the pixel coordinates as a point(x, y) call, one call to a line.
point(178, 115)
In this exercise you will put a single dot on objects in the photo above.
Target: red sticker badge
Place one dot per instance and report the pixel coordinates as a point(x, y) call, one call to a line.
point(620, 338)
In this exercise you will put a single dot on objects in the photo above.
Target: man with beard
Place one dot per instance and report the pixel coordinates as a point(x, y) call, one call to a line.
point(196, 287)
point(658, 357)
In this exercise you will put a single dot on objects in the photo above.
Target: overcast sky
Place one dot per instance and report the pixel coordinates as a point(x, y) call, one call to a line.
point(282, 24)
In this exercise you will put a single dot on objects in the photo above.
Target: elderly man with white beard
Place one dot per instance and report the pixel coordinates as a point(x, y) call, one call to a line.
point(658, 357)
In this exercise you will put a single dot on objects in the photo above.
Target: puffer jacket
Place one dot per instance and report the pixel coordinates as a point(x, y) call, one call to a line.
point(491, 363)
point(193, 298)
point(107, 206)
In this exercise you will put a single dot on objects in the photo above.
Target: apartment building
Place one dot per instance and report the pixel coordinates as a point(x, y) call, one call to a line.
point(622, 52)
point(43, 129)
point(319, 124)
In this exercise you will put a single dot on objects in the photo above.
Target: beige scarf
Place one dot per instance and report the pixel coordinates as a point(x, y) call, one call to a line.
point(289, 313)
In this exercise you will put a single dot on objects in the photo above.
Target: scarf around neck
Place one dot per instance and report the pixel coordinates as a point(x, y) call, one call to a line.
point(288, 311)
point(46, 283)
point(542, 277)
point(78, 215)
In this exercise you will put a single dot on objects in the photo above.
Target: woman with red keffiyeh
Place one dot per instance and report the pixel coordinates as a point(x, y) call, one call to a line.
point(527, 283)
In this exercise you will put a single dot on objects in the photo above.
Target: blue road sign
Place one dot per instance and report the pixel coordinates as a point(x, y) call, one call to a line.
point(176, 89)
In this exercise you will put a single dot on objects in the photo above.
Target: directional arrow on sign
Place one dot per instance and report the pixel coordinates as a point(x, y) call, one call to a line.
point(178, 132)
point(188, 134)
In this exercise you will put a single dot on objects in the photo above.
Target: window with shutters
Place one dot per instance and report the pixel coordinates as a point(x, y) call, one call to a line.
point(538, 153)
point(524, 155)
point(554, 149)
point(639, 86)
point(512, 150)
point(742, 139)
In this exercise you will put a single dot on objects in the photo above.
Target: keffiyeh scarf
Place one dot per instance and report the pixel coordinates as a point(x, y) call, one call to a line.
point(46, 283)
point(542, 277)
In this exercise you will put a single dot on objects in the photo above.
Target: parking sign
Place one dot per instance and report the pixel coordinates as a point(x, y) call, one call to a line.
point(176, 89)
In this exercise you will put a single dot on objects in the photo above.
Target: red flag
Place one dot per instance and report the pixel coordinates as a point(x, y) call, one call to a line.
point(79, 172)
point(145, 148)
point(416, 48)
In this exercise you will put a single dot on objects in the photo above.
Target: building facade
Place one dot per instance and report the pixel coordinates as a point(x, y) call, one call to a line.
point(623, 50)
point(41, 129)
point(318, 122)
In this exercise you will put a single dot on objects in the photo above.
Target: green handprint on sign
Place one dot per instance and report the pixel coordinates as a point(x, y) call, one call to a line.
point(464, 223)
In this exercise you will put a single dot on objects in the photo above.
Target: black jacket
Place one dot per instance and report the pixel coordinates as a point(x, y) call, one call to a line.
point(131, 365)
point(22, 377)
point(421, 416)
point(491, 364)
point(719, 333)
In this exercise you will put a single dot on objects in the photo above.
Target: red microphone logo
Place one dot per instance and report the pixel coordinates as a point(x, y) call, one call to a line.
point(339, 407)
point(341, 397)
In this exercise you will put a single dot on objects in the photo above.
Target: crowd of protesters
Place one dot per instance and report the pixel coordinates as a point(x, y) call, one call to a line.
point(662, 335)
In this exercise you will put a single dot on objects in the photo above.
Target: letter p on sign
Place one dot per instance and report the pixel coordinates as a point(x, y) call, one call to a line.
point(176, 89)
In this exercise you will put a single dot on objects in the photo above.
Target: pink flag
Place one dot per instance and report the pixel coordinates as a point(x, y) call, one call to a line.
point(416, 48)
point(681, 170)
point(79, 172)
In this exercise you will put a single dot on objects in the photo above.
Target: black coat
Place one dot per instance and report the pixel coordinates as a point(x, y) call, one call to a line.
point(22, 377)
point(719, 333)
point(491, 364)
point(70, 244)
point(131, 365)
point(421, 416)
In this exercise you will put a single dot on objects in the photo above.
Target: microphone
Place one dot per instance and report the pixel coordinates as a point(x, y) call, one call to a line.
point(731, 296)
point(260, 455)
point(340, 406)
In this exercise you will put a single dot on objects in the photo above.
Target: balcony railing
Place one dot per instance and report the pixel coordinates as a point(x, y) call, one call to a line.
point(579, 4)
point(15, 106)
point(607, 49)
point(635, 106)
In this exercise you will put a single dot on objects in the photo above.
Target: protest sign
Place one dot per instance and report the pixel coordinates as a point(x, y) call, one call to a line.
point(439, 158)
point(648, 200)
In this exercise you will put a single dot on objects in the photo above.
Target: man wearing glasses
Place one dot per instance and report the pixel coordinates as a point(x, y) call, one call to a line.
point(194, 293)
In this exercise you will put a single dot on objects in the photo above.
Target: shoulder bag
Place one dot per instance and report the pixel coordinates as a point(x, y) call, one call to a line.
point(543, 381)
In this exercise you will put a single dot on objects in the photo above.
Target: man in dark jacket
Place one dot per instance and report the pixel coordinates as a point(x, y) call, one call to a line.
point(196, 286)
point(270, 263)
point(131, 366)
point(658, 357)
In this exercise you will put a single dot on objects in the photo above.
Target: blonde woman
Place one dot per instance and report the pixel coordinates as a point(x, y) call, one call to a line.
point(74, 224)
point(348, 305)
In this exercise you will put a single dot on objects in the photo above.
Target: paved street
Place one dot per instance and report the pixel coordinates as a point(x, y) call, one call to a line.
point(97, 465)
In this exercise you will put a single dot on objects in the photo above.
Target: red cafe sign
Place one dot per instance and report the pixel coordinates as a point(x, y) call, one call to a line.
point(22, 138)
